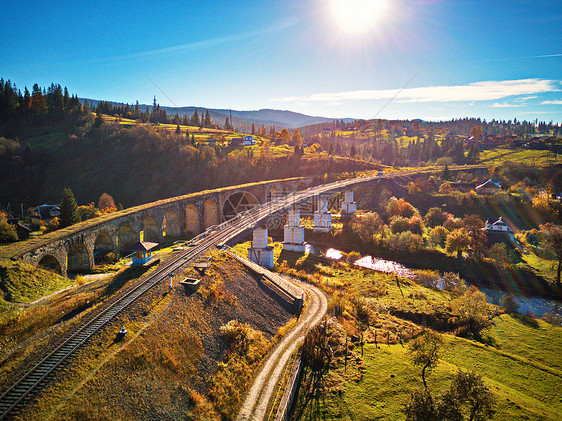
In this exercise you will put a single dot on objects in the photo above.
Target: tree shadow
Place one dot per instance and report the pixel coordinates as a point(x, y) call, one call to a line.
point(526, 320)
point(122, 278)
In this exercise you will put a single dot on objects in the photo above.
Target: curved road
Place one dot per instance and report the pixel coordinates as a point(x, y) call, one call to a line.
point(257, 401)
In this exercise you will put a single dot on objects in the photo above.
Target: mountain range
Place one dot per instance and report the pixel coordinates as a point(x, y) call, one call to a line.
point(265, 117)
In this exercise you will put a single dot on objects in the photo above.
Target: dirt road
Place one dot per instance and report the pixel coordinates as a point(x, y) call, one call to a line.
point(258, 398)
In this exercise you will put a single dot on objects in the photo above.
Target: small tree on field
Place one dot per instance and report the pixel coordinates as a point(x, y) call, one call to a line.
point(475, 397)
point(552, 235)
point(316, 354)
point(424, 351)
point(68, 209)
point(472, 310)
point(468, 398)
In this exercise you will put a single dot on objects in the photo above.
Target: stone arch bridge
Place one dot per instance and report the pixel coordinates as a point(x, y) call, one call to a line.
point(74, 249)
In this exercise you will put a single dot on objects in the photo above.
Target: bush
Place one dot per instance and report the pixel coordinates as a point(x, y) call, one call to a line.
point(509, 304)
point(429, 278)
point(453, 283)
point(553, 319)
point(8, 233)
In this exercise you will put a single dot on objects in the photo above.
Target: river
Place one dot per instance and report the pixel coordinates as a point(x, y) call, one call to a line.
point(535, 306)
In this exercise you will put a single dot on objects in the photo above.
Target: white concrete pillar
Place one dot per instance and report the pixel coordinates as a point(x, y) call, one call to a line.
point(293, 233)
point(260, 252)
point(348, 207)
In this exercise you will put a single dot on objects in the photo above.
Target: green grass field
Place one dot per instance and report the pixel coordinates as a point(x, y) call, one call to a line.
point(524, 375)
point(529, 157)
point(523, 368)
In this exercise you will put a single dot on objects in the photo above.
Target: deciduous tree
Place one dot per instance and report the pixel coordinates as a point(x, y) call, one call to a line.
point(106, 203)
point(424, 351)
point(552, 235)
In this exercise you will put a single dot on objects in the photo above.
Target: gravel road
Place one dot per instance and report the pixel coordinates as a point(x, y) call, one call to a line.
point(258, 398)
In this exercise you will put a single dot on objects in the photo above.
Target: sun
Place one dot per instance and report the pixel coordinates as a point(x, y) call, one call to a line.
point(357, 16)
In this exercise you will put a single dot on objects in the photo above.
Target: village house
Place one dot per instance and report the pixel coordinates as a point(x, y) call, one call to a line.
point(489, 187)
point(44, 213)
point(498, 226)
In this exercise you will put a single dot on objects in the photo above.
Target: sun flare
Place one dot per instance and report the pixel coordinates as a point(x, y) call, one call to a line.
point(356, 16)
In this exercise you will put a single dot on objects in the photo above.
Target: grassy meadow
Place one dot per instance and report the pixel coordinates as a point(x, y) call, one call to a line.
point(518, 357)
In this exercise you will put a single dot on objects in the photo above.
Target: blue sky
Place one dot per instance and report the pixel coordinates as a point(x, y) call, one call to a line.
point(426, 59)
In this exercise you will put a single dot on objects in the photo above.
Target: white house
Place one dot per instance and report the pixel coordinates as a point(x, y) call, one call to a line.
point(489, 187)
point(498, 226)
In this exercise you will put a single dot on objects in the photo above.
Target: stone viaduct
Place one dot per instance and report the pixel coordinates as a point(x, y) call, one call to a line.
point(73, 249)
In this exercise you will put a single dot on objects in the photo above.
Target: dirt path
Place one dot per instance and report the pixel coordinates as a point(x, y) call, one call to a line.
point(258, 398)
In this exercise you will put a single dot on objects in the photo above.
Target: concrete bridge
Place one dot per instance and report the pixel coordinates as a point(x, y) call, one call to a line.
point(73, 249)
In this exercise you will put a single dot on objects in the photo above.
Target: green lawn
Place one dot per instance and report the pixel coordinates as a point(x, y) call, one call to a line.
point(524, 376)
point(529, 157)
point(523, 369)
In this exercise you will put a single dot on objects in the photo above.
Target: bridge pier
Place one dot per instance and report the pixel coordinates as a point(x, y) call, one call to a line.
point(260, 252)
point(349, 206)
point(293, 238)
point(322, 219)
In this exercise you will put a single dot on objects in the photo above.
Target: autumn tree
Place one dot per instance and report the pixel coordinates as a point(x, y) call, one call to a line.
point(400, 207)
point(457, 241)
point(8, 233)
point(284, 136)
point(472, 310)
point(474, 227)
point(476, 132)
point(296, 140)
point(434, 217)
point(68, 209)
point(473, 396)
point(106, 203)
point(367, 226)
point(424, 351)
point(552, 235)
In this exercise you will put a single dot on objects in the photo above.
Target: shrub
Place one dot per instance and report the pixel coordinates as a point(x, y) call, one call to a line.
point(453, 283)
point(553, 319)
point(509, 304)
point(429, 278)
point(8, 233)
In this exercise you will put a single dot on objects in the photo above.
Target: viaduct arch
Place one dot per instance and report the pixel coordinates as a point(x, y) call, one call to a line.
point(167, 219)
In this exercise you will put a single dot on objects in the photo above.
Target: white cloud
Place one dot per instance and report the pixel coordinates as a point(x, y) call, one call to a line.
point(505, 105)
point(478, 91)
point(555, 102)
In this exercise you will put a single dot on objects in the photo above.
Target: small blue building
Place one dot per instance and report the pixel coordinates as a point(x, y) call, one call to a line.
point(141, 252)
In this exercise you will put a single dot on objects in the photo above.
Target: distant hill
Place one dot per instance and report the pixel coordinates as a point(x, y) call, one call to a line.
point(265, 117)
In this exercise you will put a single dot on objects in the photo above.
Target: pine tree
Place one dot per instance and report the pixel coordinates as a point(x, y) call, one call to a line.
point(227, 124)
point(69, 209)
point(253, 129)
point(208, 122)
point(195, 121)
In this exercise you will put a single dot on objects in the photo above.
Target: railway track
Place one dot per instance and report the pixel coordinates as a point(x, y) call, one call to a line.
point(29, 384)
